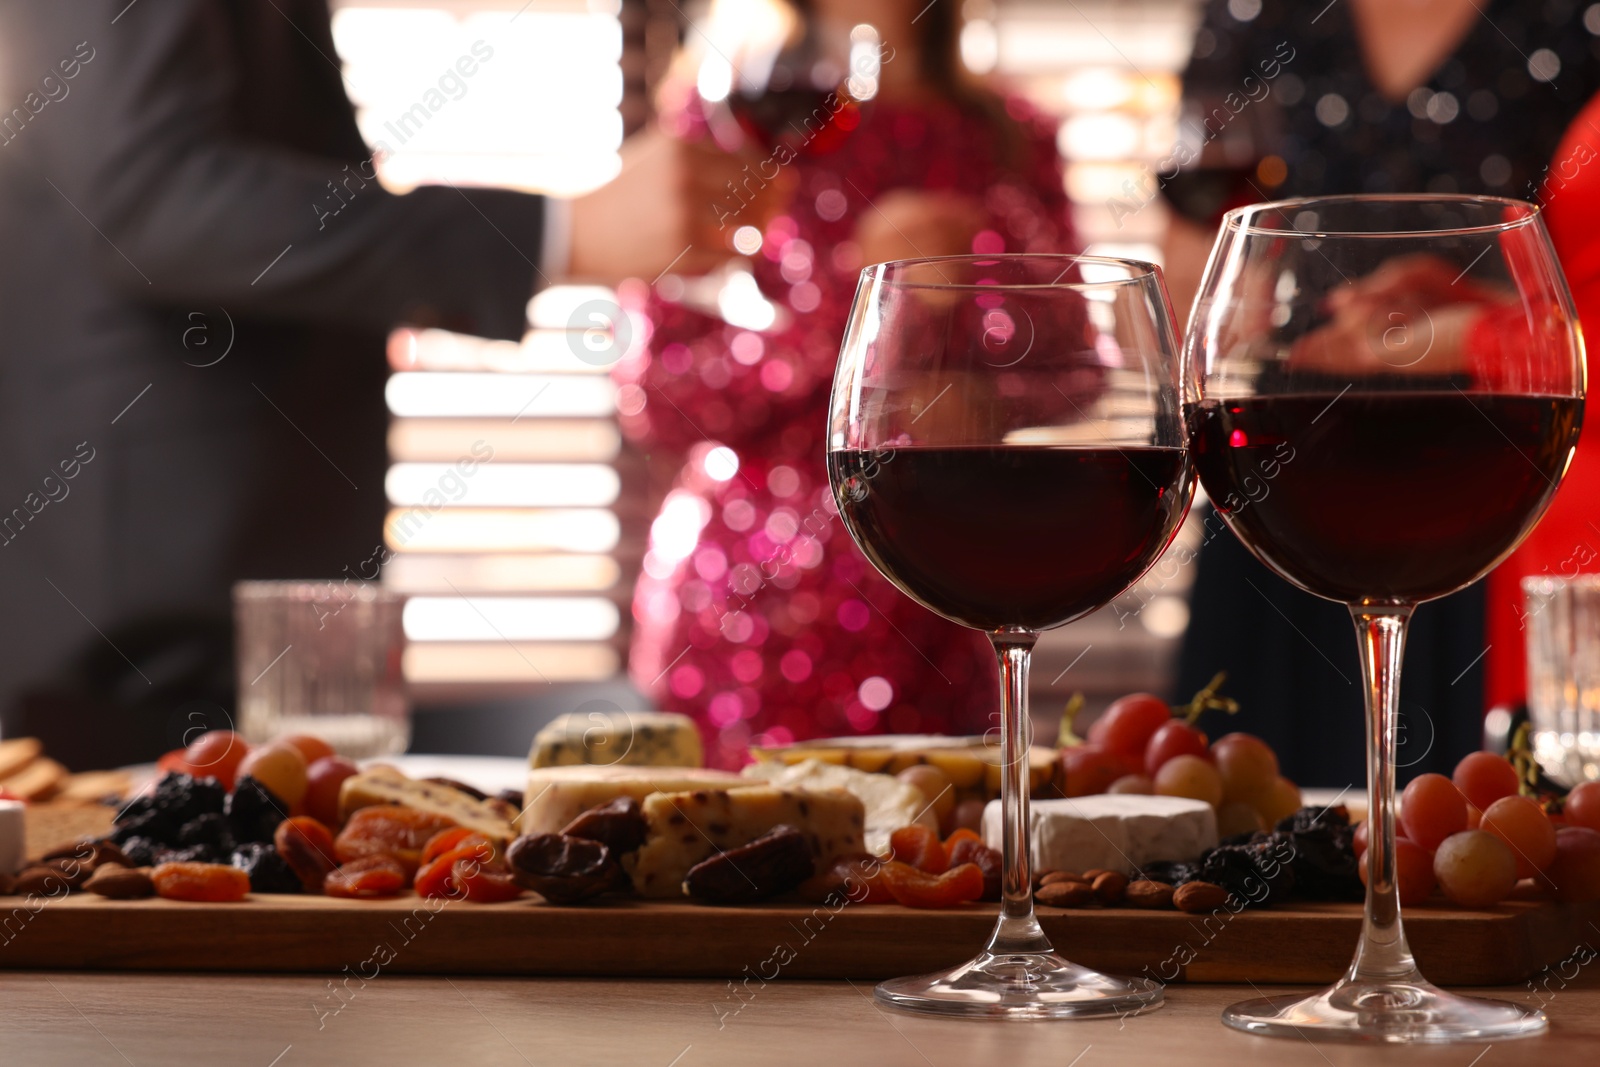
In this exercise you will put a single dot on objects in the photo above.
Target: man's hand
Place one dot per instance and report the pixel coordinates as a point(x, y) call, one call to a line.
point(671, 206)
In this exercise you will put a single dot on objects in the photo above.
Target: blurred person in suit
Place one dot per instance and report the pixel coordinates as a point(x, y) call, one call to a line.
point(192, 373)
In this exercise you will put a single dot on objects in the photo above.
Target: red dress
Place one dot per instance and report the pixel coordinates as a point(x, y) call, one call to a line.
point(756, 614)
point(1567, 540)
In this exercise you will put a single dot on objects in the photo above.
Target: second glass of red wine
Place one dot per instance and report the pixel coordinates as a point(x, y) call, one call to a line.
point(1382, 395)
point(1006, 446)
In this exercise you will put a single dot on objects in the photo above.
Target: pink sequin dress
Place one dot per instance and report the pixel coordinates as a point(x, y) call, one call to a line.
point(756, 614)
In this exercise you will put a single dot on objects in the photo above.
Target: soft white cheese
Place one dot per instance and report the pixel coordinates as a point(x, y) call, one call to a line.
point(890, 803)
point(1119, 832)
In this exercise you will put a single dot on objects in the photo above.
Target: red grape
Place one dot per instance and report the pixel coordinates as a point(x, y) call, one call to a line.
point(1484, 778)
point(1575, 872)
point(1583, 806)
point(1091, 769)
point(1136, 784)
point(323, 779)
point(311, 747)
point(1280, 802)
point(216, 754)
point(1523, 825)
point(1129, 722)
point(1432, 808)
point(1248, 767)
point(1174, 738)
point(1413, 870)
point(1475, 868)
point(1189, 776)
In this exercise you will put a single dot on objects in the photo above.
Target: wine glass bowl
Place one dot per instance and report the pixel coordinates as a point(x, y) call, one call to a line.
point(1382, 394)
point(1006, 445)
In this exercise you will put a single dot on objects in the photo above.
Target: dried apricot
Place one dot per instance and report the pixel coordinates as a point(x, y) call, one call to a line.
point(389, 830)
point(856, 878)
point(988, 860)
point(447, 840)
point(307, 847)
point(368, 876)
point(484, 883)
point(919, 889)
point(437, 877)
point(921, 848)
point(215, 882)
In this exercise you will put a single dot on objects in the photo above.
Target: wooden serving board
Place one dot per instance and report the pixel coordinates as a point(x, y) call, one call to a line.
point(1303, 943)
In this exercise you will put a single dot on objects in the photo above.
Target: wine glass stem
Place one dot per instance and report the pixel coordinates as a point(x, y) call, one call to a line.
point(1017, 930)
point(1383, 954)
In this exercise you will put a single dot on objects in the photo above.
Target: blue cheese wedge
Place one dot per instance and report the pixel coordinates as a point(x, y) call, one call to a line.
point(557, 795)
point(386, 785)
point(621, 738)
point(687, 827)
point(889, 802)
point(1118, 832)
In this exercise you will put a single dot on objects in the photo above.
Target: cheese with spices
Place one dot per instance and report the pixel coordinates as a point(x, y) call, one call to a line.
point(386, 785)
point(557, 795)
point(972, 763)
point(690, 826)
point(625, 738)
point(889, 802)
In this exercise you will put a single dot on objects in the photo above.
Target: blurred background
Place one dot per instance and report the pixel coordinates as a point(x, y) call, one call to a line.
point(547, 539)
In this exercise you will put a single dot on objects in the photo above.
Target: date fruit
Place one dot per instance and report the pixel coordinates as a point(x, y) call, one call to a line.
point(619, 825)
point(776, 862)
point(561, 868)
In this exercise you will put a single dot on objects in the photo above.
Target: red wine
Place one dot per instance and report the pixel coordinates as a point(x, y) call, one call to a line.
point(1382, 497)
point(807, 121)
point(1012, 536)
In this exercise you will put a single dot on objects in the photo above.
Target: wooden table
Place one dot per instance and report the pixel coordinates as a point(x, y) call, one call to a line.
point(289, 1020)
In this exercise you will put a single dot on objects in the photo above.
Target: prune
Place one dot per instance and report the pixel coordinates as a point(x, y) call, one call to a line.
point(1311, 818)
point(1256, 874)
point(208, 829)
point(182, 797)
point(153, 825)
point(191, 854)
point(141, 805)
point(254, 812)
point(141, 851)
point(267, 870)
point(1172, 872)
point(778, 861)
point(1324, 862)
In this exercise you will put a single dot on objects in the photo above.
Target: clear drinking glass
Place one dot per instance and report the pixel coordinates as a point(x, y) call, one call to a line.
point(1562, 619)
point(1382, 394)
point(322, 658)
point(1006, 445)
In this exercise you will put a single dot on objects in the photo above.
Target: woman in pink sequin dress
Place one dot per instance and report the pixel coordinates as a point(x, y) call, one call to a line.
point(756, 614)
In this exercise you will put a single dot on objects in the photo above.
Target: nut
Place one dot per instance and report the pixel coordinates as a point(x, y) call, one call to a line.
point(1109, 886)
point(121, 883)
point(1199, 896)
point(41, 881)
point(1147, 894)
point(773, 863)
point(1094, 872)
point(1066, 894)
point(1052, 877)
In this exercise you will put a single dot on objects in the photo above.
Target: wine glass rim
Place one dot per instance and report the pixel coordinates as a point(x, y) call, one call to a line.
point(1139, 271)
point(1236, 218)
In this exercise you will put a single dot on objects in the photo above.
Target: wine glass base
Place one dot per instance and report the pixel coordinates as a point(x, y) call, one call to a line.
point(1021, 985)
point(1393, 1012)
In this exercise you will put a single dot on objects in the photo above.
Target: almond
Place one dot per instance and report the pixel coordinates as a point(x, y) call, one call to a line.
point(121, 883)
point(1065, 894)
point(1147, 894)
point(41, 881)
point(1109, 886)
point(7, 884)
point(1094, 872)
point(1199, 896)
point(1052, 877)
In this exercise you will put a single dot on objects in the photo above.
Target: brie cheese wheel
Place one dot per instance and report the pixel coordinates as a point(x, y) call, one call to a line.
point(1119, 832)
point(557, 795)
point(890, 803)
point(628, 738)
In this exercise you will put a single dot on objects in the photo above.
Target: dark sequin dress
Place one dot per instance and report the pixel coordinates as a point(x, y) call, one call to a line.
point(756, 614)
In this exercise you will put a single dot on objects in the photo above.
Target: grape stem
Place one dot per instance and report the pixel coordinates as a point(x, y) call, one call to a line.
point(1208, 699)
point(1067, 737)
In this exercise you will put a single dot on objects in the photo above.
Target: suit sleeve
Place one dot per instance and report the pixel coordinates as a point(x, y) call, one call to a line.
point(187, 210)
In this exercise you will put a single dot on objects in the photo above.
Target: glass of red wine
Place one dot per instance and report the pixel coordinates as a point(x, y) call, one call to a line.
point(1382, 394)
point(1006, 446)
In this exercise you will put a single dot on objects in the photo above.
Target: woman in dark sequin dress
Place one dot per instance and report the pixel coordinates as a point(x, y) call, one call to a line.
point(1368, 96)
point(756, 614)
